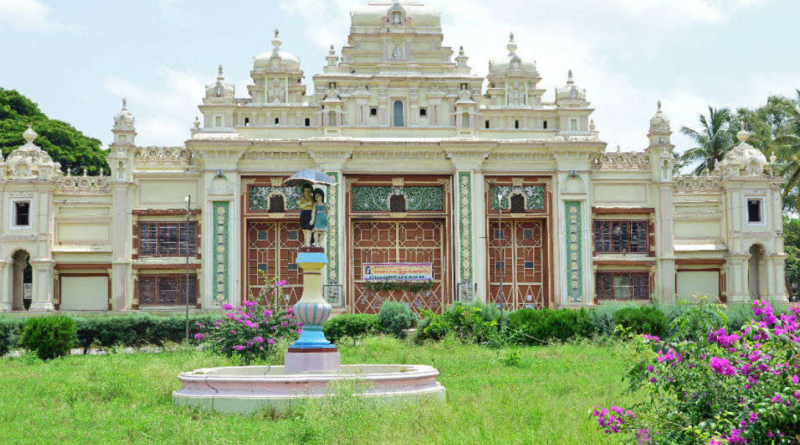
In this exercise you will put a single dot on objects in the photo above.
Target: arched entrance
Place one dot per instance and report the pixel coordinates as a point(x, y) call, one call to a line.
point(22, 281)
point(757, 272)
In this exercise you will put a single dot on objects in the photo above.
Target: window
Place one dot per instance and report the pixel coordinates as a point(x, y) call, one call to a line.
point(465, 120)
point(167, 239)
point(621, 236)
point(544, 125)
point(292, 267)
point(397, 204)
point(754, 211)
point(277, 121)
point(573, 125)
point(517, 203)
point(423, 112)
point(622, 285)
point(308, 122)
point(277, 204)
point(22, 213)
point(166, 290)
point(498, 234)
point(292, 235)
point(217, 121)
point(246, 121)
point(485, 124)
point(373, 111)
point(516, 124)
point(397, 111)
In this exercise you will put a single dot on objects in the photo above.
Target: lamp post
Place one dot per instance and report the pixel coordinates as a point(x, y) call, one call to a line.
point(502, 254)
point(186, 286)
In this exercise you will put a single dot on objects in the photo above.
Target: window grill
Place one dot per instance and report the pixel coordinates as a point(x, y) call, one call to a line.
point(277, 204)
point(166, 290)
point(621, 236)
point(167, 239)
point(397, 204)
point(517, 204)
point(621, 285)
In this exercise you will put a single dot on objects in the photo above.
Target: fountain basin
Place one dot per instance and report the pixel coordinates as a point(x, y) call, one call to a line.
point(246, 389)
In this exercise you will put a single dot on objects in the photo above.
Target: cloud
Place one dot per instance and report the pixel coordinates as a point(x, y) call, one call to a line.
point(26, 15)
point(165, 113)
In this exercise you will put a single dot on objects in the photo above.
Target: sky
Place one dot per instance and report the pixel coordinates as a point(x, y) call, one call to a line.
point(78, 58)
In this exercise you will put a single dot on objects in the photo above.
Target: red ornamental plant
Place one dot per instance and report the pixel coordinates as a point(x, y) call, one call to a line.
point(249, 332)
point(737, 388)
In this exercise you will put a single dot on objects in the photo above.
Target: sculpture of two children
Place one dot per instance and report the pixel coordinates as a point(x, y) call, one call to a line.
point(313, 216)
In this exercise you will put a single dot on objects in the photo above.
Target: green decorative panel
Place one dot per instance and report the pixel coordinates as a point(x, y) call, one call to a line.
point(534, 196)
point(572, 210)
point(259, 196)
point(332, 197)
point(465, 224)
point(221, 251)
point(418, 199)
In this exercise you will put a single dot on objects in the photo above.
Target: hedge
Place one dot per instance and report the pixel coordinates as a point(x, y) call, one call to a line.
point(115, 330)
point(351, 325)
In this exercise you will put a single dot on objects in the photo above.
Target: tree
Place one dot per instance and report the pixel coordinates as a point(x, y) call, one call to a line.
point(61, 140)
point(786, 148)
point(713, 140)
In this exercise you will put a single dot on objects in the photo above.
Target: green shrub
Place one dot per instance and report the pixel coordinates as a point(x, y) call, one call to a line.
point(602, 317)
point(50, 336)
point(531, 327)
point(739, 314)
point(10, 330)
point(395, 317)
point(471, 323)
point(137, 330)
point(351, 325)
point(642, 320)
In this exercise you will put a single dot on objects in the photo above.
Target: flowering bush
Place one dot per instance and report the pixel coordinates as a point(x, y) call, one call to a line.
point(249, 332)
point(727, 388)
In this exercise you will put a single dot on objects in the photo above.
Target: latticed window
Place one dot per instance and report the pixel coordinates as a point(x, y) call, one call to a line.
point(167, 238)
point(622, 285)
point(397, 204)
point(517, 203)
point(621, 236)
point(166, 290)
point(276, 204)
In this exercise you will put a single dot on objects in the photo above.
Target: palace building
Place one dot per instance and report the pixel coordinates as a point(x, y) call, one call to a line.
point(501, 190)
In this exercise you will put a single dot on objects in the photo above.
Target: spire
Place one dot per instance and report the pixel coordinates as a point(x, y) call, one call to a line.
point(512, 45)
point(124, 103)
point(461, 59)
point(276, 43)
point(220, 76)
point(332, 58)
point(570, 79)
point(743, 134)
point(659, 106)
point(29, 135)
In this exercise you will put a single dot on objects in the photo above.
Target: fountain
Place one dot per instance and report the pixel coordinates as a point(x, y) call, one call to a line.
point(312, 363)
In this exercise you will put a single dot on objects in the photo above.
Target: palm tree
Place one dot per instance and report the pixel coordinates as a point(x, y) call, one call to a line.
point(786, 147)
point(713, 140)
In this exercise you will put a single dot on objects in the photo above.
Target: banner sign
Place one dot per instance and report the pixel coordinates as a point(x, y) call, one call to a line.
point(398, 271)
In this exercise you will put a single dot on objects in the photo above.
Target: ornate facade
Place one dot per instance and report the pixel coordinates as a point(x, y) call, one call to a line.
point(510, 196)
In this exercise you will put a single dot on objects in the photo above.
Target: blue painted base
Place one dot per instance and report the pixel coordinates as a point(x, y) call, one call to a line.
point(312, 257)
point(312, 337)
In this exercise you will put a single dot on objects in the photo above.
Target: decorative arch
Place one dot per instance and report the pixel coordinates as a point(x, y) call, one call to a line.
point(757, 272)
point(21, 274)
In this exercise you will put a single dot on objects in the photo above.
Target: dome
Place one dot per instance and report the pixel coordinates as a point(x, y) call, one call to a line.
point(27, 159)
point(220, 88)
point(659, 122)
point(570, 94)
point(265, 60)
point(511, 62)
point(744, 156)
point(123, 120)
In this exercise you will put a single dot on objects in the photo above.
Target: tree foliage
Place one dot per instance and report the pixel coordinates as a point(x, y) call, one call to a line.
point(62, 141)
point(713, 140)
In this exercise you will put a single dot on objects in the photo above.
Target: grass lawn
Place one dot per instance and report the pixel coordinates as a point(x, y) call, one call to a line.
point(126, 398)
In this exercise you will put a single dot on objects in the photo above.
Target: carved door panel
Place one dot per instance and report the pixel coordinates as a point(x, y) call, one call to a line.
point(272, 248)
point(398, 242)
point(517, 255)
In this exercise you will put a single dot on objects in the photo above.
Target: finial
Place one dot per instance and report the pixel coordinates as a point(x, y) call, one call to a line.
point(743, 134)
point(332, 51)
point(569, 76)
point(659, 106)
point(220, 70)
point(511, 36)
point(29, 134)
point(69, 171)
point(124, 103)
point(277, 33)
point(197, 122)
point(512, 45)
point(84, 171)
point(461, 50)
point(618, 149)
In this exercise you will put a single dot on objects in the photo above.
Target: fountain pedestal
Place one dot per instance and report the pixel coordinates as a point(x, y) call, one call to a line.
point(312, 352)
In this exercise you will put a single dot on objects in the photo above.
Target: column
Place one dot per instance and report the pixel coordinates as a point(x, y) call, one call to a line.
point(479, 253)
point(42, 298)
point(737, 276)
point(666, 242)
point(6, 284)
